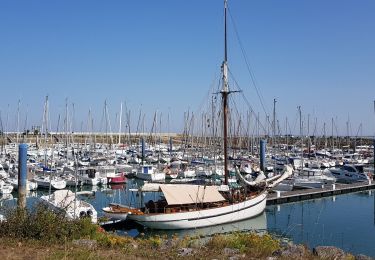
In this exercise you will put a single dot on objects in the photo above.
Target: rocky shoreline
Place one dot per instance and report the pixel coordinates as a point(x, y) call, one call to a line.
point(287, 250)
point(290, 251)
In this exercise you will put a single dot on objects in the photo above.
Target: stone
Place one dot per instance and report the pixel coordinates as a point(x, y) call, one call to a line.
point(89, 244)
point(329, 252)
point(363, 257)
point(293, 252)
point(168, 244)
point(231, 251)
point(185, 251)
point(134, 245)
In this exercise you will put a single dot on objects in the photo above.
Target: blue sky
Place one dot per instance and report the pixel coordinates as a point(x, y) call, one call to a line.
point(165, 56)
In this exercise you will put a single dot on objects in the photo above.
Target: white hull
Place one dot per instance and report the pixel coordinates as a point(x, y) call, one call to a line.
point(154, 177)
point(113, 215)
point(188, 174)
point(308, 184)
point(6, 189)
point(204, 218)
point(94, 181)
point(348, 174)
point(30, 185)
point(46, 183)
point(73, 207)
point(90, 181)
point(286, 185)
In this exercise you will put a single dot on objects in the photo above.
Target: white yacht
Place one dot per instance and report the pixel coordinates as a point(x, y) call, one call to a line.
point(90, 176)
point(30, 185)
point(3, 173)
point(150, 173)
point(349, 173)
point(5, 188)
point(56, 183)
point(67, 202)
point(310, 178)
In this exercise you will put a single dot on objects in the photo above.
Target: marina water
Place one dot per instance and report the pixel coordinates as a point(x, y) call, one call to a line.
point(345, 221)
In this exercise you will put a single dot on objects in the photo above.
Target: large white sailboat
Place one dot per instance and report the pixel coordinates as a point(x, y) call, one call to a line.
point(187, 206)
point(184, 206)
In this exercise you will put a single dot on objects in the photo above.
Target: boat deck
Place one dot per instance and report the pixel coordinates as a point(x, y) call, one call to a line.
point(299, 195)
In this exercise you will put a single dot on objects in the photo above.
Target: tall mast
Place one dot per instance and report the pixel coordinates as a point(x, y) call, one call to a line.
point(224, 94)
point(119, 130)
point(301, 132)
point(274, 123)
point(18, 120)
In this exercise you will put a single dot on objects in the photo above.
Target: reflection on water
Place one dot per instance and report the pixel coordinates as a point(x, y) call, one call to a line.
point(345, 221)
point(257, 224)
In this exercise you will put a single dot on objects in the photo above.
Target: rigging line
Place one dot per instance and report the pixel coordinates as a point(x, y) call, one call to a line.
point(247, 101)
point(252, 76)
point(1, 125)
point(208, 93)
point(295, 123)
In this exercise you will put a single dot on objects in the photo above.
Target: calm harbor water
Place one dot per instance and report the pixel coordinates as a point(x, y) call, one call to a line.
point(345, 221)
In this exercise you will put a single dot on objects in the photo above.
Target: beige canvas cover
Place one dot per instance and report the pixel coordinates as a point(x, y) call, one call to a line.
point(190, 194)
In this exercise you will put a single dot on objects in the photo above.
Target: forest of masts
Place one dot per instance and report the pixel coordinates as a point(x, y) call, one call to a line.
point(201, 131)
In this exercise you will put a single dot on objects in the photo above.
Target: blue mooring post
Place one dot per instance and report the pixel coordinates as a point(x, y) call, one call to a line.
point(22, 175)
point(262, 154)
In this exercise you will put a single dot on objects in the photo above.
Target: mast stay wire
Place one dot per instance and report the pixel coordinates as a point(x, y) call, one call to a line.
point(246, 100)
point(252, 76)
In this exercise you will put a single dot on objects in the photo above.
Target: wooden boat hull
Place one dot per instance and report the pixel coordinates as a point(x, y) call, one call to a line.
point(119, 212)
point(203, 218)
point(108, 212)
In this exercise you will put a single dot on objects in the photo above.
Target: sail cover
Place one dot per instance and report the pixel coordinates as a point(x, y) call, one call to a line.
point(190, 194)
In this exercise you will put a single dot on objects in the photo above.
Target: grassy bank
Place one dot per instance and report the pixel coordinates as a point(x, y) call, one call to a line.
point(42, 234)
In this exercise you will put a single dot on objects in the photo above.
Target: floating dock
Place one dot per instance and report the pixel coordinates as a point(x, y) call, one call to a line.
point(306, 194)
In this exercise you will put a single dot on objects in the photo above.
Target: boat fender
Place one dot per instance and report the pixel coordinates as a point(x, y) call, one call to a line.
point(89, 213)
point(82, 214)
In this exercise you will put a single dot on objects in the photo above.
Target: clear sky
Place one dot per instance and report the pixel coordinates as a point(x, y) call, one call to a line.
point(165, 55)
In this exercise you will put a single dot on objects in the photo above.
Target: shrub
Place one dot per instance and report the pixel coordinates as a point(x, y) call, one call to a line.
point(44, 225)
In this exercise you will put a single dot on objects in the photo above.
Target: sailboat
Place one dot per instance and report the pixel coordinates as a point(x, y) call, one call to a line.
point(185, 206)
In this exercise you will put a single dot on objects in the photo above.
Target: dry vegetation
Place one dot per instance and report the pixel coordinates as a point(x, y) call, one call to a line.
point(42, 234)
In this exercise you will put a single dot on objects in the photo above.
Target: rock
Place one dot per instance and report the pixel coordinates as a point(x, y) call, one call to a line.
point(271, 258)
point(134, 245)
point(293, 252)
point(168, 244)
point(185, 251)
point(329, 252)
point(230, 251)
point(89, 244)
point(285, 243)
point(363, 257)
point(234, 257)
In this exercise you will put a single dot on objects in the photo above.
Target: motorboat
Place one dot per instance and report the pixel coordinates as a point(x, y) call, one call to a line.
point(66, 202)
point(53, 182)
point(150, 173)
point(349, 173)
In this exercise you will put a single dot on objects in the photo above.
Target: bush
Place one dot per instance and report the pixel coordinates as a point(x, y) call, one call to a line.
point(44, 225)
